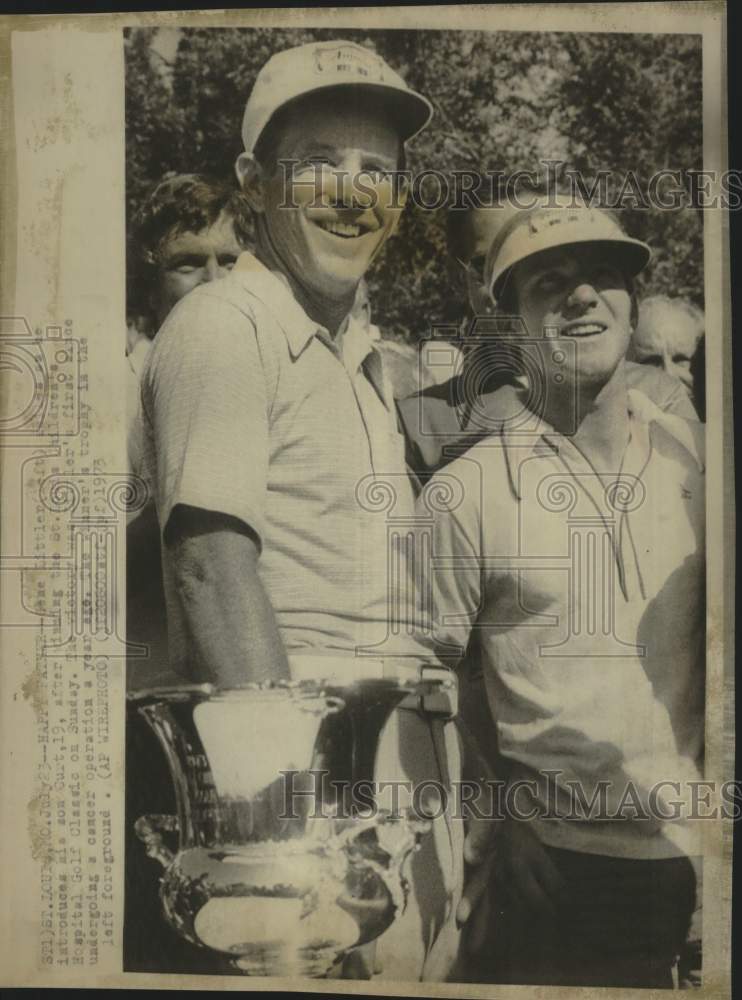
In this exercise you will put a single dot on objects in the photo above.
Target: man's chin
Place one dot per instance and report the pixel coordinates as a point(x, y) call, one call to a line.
point(338, 276)
point(594, 377)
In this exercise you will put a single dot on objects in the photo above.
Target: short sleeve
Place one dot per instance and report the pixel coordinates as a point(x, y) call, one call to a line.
point(204, 394)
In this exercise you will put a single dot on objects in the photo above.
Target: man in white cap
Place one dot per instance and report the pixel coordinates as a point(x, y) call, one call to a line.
point(578, 547)
point(445, 420)
point(271, 425)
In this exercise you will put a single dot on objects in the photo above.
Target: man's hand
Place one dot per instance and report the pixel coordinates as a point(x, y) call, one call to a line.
point(479, 856)
point(480, 849)
point(482, 831)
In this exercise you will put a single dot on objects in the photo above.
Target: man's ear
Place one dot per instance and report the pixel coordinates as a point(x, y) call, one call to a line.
point(250, 175)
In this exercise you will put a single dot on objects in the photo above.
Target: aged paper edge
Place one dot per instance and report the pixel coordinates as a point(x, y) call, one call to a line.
point(705, 18)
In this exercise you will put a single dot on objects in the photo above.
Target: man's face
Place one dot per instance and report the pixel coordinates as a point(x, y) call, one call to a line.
point(668, 339)
point(570, 292)
point(331, 230)
point(189, 259)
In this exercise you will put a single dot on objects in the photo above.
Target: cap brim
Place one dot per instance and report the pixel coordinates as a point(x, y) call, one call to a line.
point(410, 110)
point(632, 256)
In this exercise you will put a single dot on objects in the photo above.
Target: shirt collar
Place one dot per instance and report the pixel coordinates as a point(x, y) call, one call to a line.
point(646, 410)
point(356, 342)
point(546, 440)
point(359, 351)
point(518, 448)
point(274, 291)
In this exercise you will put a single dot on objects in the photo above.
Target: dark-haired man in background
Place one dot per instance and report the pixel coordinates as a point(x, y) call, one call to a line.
point(189, 230)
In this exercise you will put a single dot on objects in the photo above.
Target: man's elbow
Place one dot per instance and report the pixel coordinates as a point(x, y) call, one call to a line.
point(193, 577)
point(210, 557)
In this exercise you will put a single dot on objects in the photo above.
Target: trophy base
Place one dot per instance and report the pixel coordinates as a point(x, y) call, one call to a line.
point(281, 939)
point(281, 909)
point(271, 960)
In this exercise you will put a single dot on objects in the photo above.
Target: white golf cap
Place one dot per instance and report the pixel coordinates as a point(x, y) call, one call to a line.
point(319, 65)
point(546, 225)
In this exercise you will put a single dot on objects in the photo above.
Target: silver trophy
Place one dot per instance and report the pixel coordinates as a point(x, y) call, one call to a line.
point(269, 860)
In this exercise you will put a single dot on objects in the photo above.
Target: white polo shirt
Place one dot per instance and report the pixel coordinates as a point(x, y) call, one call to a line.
point(589, 601)
point(251, 410)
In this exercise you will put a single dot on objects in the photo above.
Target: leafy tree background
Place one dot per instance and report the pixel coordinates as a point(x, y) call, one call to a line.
point(504, 101)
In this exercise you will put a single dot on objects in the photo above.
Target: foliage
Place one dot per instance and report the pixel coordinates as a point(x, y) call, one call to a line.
point(504, 101)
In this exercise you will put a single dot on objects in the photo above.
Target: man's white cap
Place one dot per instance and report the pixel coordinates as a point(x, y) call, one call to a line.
point(318, 65)
point(547, 225)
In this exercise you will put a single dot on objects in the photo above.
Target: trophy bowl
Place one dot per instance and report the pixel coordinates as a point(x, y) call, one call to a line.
point(269, 860)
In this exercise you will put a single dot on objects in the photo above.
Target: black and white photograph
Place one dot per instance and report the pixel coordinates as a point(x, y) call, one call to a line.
point(386, 288)
point(386, 636)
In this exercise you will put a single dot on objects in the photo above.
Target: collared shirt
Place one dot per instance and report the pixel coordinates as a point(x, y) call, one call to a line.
point(587, 591)
point(443, 421)
point(253, 411)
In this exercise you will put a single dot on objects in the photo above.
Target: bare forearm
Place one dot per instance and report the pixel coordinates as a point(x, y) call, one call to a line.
point(232, 634)
point(231, 627)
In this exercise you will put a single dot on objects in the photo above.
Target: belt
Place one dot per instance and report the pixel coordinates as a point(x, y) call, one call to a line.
point(436, 687)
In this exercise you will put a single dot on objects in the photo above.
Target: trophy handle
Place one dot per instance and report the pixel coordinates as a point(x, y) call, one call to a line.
point(150, 830)
point(397, 836)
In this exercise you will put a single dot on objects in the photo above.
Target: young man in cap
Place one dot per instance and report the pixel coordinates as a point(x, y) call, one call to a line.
point(270, 423)
point(445, 420)
point(578, 547)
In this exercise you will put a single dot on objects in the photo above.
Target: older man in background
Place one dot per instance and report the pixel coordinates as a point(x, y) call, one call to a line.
point(667, 337)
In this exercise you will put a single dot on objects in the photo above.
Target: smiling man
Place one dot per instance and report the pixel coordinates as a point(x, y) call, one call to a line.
point(271, 425)
point(266, 400)
point(576, 554)
point(444, 420)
